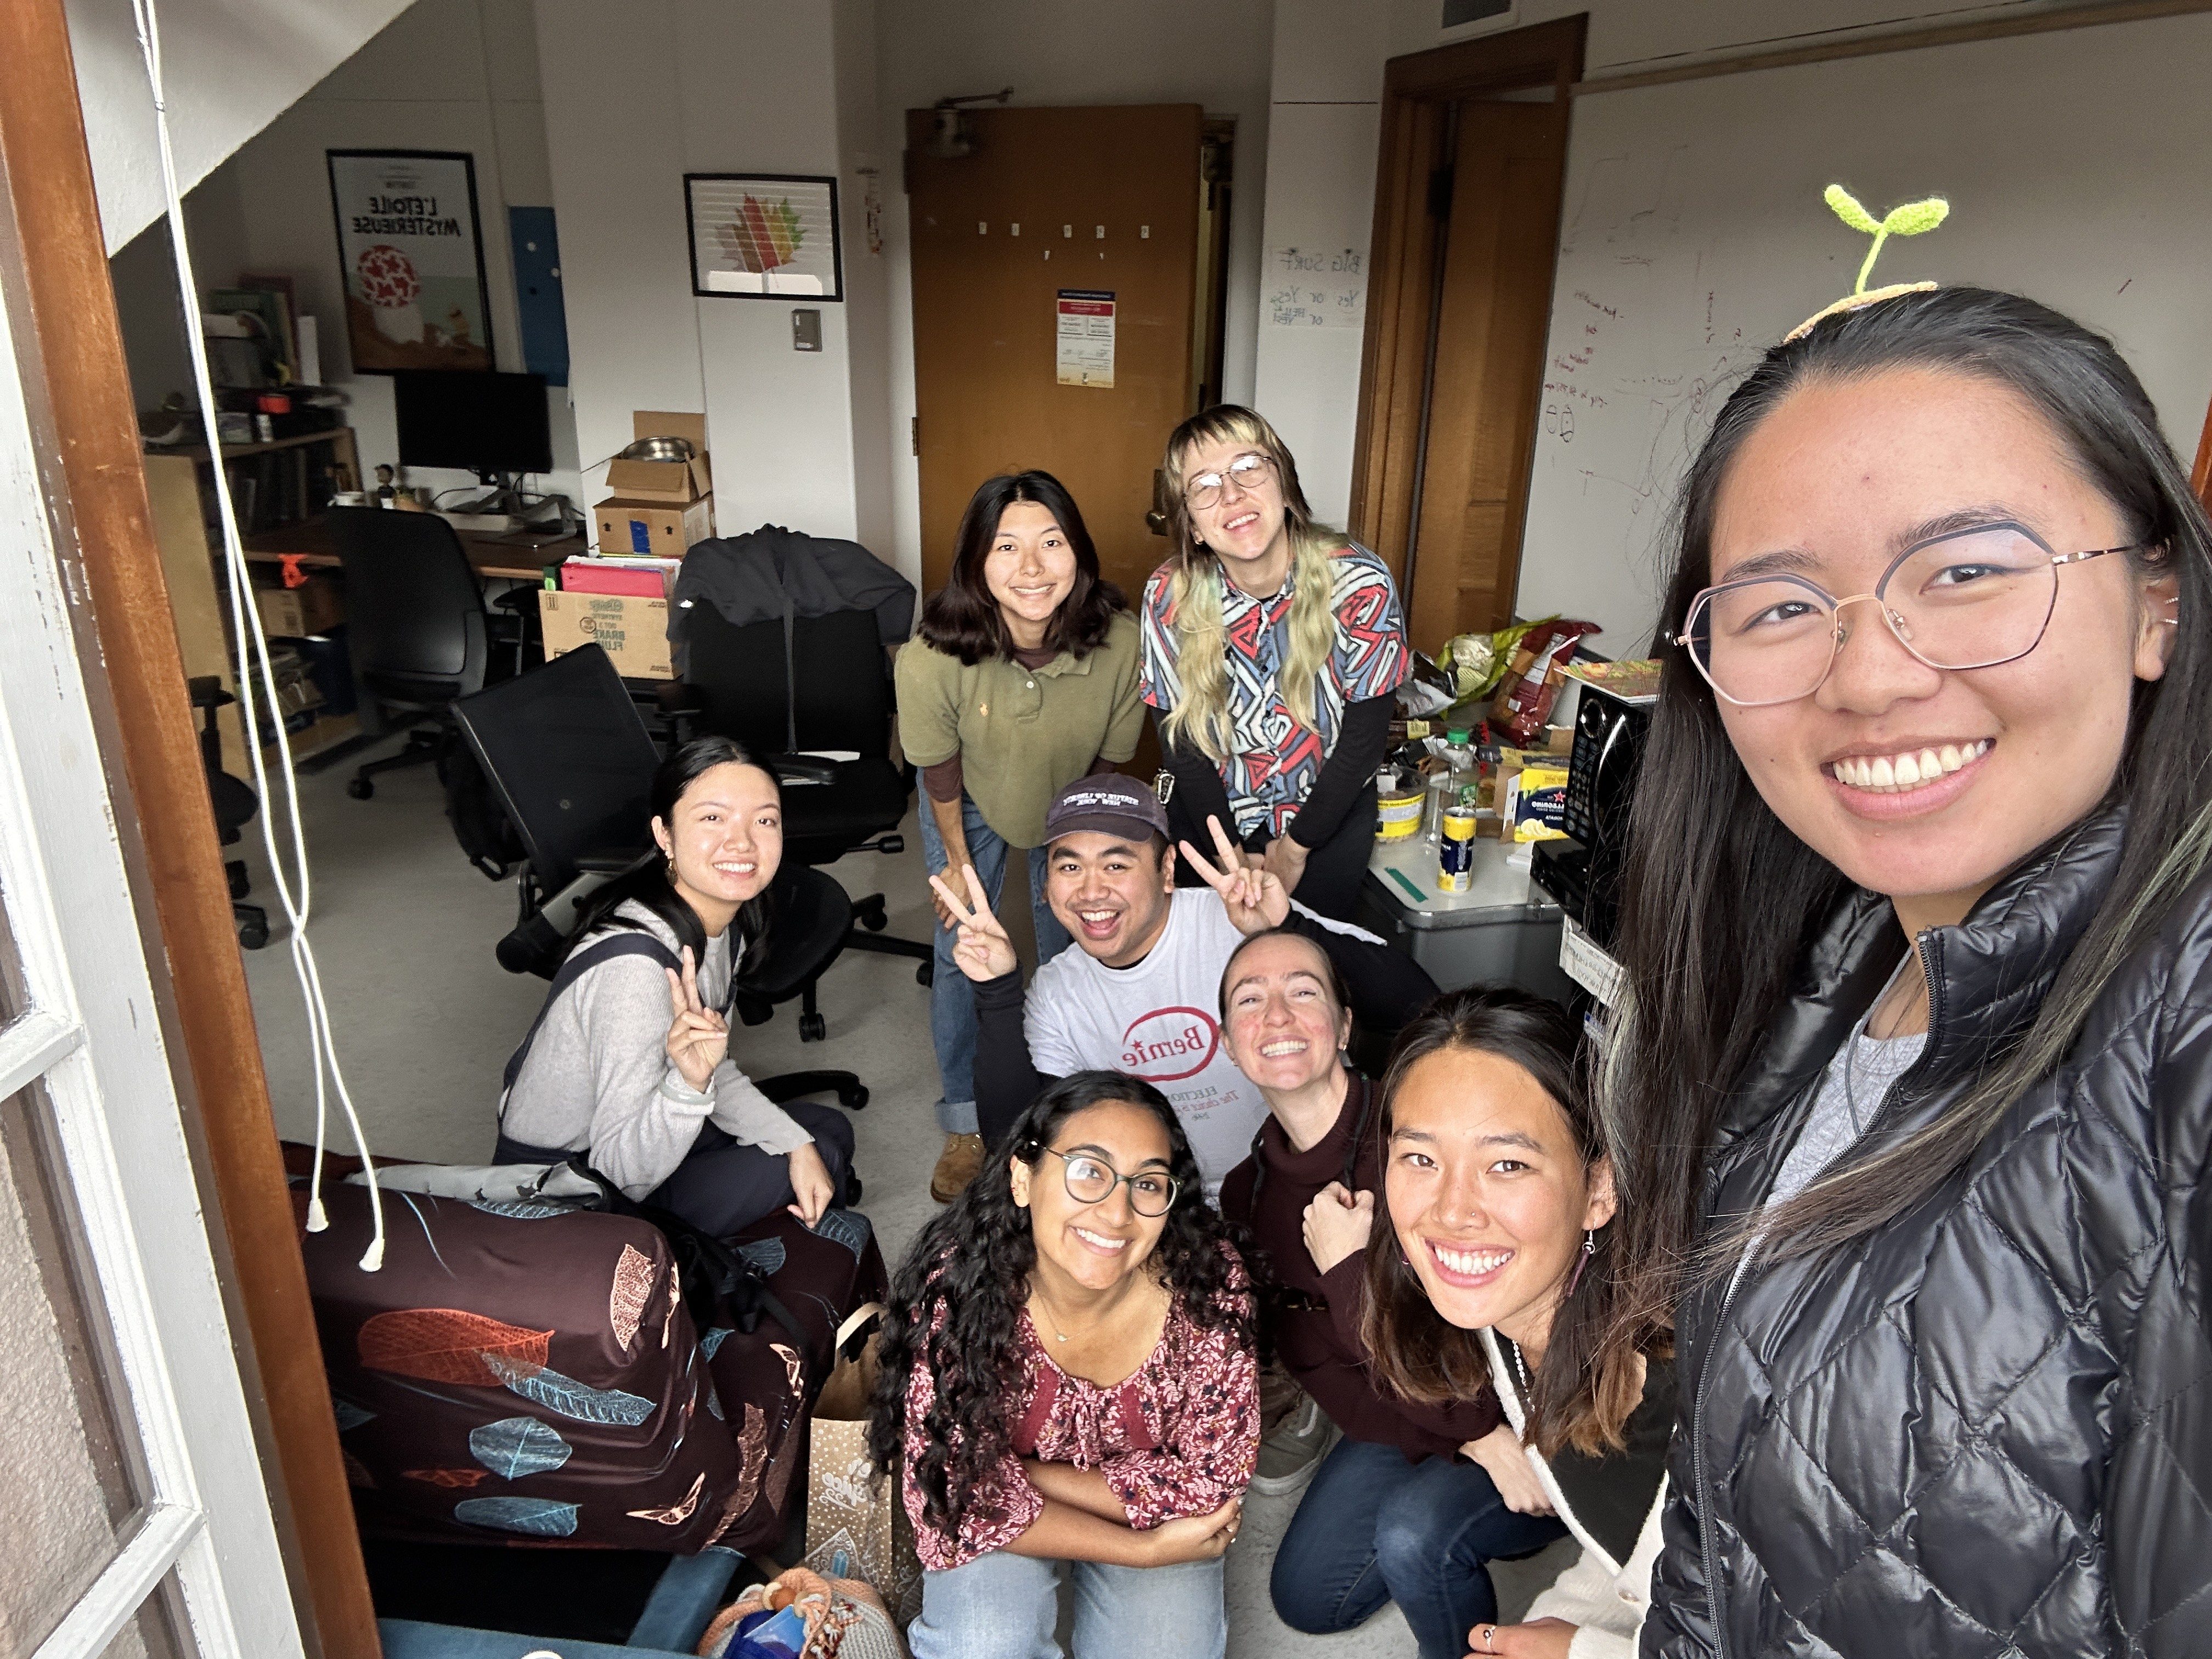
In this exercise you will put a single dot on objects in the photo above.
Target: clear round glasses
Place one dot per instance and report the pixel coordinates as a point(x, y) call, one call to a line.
point(1092, 1180)
point(1971, 599)
point(1248, 471)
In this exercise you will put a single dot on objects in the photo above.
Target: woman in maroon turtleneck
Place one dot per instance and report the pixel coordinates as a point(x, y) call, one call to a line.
point(1398, 1510)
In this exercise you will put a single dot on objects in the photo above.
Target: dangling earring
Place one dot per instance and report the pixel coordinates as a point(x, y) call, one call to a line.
point(1589, 1249)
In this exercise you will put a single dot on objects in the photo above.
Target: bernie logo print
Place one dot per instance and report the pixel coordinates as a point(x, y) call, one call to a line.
point(1159, 1043)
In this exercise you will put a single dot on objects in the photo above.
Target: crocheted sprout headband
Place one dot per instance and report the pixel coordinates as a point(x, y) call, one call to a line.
point(1909, 220)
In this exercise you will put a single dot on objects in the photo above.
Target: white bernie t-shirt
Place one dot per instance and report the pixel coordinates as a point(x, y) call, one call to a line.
point(1157, 1020)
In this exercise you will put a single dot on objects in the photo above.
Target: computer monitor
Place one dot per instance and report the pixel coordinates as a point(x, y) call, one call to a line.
point(492, 425)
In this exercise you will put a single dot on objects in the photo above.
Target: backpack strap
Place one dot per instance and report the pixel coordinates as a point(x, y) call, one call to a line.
point(626, 942)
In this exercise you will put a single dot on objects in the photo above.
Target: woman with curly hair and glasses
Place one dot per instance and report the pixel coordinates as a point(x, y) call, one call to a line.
point(1068, 1375)
point(1273, 647)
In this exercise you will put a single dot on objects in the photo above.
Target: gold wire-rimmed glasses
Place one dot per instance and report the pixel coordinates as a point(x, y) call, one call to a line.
point(1092, 1180)
point(1247, 471)
point(1972, 598)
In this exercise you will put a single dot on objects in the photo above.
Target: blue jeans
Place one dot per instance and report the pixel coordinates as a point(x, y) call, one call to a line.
point(951, 998)
point(1002, 1605)
point(1373, 1528)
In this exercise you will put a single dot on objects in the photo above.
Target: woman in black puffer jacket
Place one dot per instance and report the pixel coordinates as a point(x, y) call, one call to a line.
point(1917, 1054)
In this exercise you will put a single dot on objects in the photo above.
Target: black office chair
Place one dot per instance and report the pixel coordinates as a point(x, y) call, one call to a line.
point(415, 625)
point(235, 804)
point(568, 754)
point(836, 695)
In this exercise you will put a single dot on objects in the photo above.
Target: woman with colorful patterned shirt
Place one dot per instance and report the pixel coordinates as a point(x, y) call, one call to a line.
point(1272, 648)
point(1068, 1377)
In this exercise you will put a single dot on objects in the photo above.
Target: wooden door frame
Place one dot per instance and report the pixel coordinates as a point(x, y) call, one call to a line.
point(1404, 246)
point(70, 353)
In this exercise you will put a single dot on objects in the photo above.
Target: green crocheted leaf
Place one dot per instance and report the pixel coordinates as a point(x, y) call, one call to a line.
point(1915, 216)
point(1847, 209)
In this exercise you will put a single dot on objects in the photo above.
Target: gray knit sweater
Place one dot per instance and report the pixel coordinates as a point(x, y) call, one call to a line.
point(599, 1078)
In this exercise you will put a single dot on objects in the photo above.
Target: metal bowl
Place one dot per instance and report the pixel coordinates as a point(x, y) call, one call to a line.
point(660, 449)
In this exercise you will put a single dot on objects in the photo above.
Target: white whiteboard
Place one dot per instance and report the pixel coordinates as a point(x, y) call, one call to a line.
point(2079, 169)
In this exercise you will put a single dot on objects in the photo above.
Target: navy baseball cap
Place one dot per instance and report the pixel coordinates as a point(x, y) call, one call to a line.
point(1108, 803)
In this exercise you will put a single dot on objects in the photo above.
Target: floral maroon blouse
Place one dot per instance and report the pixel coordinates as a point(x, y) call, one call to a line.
point(1180, 1436)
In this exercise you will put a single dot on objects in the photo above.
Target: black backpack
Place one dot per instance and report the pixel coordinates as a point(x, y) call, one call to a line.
point(480, 822)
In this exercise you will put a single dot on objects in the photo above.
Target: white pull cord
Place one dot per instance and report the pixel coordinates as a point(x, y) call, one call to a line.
point(252, 657)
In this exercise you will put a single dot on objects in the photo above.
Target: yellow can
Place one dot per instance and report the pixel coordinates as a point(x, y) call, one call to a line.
point(1456, 853)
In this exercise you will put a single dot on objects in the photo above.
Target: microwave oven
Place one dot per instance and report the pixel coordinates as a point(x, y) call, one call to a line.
point(1583, 872)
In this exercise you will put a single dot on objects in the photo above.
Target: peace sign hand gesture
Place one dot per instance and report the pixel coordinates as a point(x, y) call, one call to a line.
point(983, 952)
point(1254, 895)
point(698, 1037)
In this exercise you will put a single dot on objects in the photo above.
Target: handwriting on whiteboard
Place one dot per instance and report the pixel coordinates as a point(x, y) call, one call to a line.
point(1317, 288)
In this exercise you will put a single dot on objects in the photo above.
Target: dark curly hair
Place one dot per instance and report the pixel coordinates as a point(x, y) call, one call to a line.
point(971, 1267)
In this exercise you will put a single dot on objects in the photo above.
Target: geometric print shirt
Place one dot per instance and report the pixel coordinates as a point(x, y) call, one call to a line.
point(1274, 760)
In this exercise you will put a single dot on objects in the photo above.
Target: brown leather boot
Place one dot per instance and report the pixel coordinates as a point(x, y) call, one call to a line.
point(960, 1163)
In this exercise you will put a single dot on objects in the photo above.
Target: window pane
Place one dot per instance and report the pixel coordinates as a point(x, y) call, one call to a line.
point(14, 999)
point(154, 1632)
point(69, 1478)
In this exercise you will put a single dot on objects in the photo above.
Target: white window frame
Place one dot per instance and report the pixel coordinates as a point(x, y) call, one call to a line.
point(91, 1037)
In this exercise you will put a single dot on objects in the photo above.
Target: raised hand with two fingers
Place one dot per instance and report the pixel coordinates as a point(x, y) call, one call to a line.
point(982, 952)
point(698, 1037)
point(1254, 896)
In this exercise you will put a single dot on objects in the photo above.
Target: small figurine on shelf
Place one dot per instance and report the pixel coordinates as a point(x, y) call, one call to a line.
point(384, 492)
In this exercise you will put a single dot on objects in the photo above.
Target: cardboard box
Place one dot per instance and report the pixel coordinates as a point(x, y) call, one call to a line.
point(292, 613)
point(669, 483)
point(633, 631)
point(626, 527)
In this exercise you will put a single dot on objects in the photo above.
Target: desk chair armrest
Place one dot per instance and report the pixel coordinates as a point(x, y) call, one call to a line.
point(206, 691)
point(803, 768)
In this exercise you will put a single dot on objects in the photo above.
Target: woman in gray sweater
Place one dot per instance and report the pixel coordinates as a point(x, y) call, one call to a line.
point(628, 1061)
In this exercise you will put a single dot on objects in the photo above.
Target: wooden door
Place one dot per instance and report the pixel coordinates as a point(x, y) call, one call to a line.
point(1106, 201)
point(1492, 320)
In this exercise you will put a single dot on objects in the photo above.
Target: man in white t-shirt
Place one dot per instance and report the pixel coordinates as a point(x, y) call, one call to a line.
point(1141, 992)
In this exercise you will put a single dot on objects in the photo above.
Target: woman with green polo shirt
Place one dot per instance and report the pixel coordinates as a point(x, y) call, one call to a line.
point(1022, 679)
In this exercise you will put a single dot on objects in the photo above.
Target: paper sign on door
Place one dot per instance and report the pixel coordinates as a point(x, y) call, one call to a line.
point(1086, 337)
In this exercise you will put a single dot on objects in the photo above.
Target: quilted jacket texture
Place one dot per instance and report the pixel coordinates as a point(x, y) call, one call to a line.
point(1986, 1428)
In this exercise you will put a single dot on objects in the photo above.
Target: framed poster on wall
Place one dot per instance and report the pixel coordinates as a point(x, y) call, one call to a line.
point(762, 236)
point(411, 253)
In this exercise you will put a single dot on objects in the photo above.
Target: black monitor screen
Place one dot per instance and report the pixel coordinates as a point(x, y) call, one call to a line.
point(477, 422)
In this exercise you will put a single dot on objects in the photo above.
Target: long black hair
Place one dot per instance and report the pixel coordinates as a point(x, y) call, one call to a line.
point(1720, 898)
point(962, 619)
point(1591, 1382)
point(648, 880)
point(957, 1304)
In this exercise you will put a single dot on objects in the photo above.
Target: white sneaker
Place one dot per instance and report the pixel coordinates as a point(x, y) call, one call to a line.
point(1289, 1456)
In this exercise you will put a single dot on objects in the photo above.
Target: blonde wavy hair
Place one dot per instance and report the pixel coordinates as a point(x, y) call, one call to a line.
point(1201, 715)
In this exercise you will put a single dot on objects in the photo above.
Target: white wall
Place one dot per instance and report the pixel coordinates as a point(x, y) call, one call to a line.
point(1071, 53)
point(445, 74)
point(1329, 58)
point(1694, 237)
point(645, 93)
point(229, 67)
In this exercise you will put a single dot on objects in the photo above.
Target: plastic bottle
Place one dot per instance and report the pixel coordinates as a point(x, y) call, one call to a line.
point(1459, 769)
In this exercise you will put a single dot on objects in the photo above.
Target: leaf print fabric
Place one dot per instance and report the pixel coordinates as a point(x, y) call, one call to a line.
point(541, 1517)
point(517, 1446)
point(674, 1514)
point(627, 1296)
point(448, 1477)
point(568, 1397)
point(446, 1345)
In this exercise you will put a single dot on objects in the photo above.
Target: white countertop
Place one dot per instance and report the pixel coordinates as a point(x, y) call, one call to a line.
point(1406, 872)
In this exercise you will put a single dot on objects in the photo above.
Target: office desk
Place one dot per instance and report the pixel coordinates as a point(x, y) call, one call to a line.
point(1502, 929)
point(494, 556)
